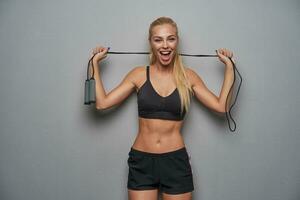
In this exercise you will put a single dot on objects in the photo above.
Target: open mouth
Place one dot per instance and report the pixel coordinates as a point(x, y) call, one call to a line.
point(165, 55)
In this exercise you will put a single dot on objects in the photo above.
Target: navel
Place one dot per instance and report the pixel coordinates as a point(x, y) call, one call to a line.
point(158, 142)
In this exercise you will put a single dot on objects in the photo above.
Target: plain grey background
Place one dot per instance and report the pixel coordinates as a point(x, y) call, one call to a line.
point(52, 146)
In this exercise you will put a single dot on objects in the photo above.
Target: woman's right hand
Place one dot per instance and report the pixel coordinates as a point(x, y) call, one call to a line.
point(101, 53)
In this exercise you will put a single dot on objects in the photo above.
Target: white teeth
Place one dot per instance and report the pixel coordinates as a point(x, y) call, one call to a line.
point(165, 52)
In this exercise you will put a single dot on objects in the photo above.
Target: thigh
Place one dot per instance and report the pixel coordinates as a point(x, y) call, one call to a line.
point(142, 174)
point(143, 194)
point(184, 196)
point(176, 174)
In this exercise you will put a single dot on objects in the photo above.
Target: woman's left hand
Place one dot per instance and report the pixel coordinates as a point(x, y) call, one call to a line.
point(223, 55)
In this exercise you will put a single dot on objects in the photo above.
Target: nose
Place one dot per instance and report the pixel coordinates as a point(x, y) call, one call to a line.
point(165, 44)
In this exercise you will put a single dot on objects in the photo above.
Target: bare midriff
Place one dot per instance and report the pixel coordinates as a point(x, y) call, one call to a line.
point(158, 135)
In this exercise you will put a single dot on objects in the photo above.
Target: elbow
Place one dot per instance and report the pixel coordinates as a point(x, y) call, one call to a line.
point(218, 111)
point(221, 113)
point(221, 109)
point(100, 106)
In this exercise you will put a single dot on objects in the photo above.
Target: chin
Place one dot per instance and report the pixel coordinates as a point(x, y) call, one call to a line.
point(165, 63)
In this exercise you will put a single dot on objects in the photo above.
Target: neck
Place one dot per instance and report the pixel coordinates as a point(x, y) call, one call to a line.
point(164, 69)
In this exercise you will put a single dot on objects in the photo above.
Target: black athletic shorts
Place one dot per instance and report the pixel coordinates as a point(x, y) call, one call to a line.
point(170, 172)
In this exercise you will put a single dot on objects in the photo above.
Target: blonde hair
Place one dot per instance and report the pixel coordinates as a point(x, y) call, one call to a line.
point(181, 81)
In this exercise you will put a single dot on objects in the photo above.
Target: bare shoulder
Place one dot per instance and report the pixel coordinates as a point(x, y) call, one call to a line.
point(190, 72)
point(139, 70)
point(192, 76)
point(137, 75)
point(134, 72)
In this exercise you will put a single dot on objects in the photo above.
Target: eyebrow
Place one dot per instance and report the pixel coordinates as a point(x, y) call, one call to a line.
point(161, 37)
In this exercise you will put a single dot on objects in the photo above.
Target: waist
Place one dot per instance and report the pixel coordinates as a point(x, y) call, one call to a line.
point(180, 150)
point(158, 142)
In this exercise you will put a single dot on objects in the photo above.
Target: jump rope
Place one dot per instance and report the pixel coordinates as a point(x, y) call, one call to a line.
point(90, 96)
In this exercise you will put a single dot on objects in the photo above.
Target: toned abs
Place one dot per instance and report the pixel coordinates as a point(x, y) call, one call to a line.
point(158, 136)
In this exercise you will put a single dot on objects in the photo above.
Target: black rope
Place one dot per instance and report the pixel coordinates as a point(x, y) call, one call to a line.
point(228, 113)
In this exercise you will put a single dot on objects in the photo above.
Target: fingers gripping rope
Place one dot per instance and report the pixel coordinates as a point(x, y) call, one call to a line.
point(90, 97)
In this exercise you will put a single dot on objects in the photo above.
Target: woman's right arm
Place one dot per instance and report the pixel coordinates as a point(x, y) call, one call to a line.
point(119, 93)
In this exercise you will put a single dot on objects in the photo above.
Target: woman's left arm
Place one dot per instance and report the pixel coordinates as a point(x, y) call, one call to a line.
point(228, 79)
point(204, 95)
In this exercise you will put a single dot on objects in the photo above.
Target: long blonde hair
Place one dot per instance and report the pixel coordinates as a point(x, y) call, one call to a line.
point(181, 81)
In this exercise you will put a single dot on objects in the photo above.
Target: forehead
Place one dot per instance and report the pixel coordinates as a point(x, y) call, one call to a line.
point(163, 30)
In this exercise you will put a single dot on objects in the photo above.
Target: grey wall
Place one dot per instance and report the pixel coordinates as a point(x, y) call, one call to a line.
point(52, 146)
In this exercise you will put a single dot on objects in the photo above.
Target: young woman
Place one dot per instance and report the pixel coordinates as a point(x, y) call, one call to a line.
point(158, 158)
